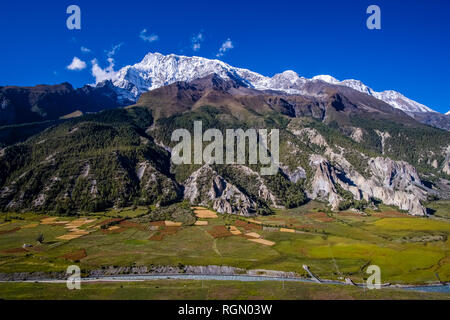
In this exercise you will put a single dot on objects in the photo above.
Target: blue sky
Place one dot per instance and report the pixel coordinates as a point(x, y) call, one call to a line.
point(409, 54)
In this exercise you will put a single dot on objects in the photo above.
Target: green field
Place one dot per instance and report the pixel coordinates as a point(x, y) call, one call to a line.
point(206, 290)
point(409, 250)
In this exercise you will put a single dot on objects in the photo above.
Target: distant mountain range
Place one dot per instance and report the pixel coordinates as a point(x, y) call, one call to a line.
point(157, 70)
point(50, 102)
point(40, 103)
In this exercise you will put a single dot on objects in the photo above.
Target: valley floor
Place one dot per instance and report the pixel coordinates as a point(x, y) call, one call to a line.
point(408, 250)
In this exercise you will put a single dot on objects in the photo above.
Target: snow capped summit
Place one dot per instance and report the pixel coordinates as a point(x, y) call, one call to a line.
point(326, 78)
point(399, 101)
point(157, 70)
point(448, 113)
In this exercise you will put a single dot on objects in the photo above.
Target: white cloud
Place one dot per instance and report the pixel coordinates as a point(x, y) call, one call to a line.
point(76, 64)
point(113, 50)
point(85, 50)
point(196, 41)
point(149, 38)
point(226, 46)
point(107, 73)
point(101, 74)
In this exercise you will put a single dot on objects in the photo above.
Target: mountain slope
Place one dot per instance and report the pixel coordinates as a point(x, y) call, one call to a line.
point(337, 145)
point(434, 119)
point(90, 163)
point(350, 150)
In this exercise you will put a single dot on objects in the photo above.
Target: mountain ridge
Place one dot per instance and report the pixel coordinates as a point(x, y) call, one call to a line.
point(156, 70)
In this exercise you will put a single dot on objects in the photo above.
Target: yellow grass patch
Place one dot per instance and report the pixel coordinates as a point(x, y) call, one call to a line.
point(262, 241)
point(69, 236)
point(234, 230)
point(287, 230)
point(113, 228)
point(58, 223)
point(205, 214)
point(78, 223)
point(201, 223)
point(82, 232)
point(172, 224)
point(254, 221)
point(253, 235)
point(31, 225)
point(74, 231)
point(199, 208)
point(48, 220)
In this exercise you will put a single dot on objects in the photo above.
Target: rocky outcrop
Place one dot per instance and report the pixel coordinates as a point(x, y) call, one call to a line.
point(264, 192)
point(293, 175)
point(446, 167)
point(311, 135)
point(206, 187)
point(323, 182)
point(383, 136)
point(357, 134)
point(393, 182)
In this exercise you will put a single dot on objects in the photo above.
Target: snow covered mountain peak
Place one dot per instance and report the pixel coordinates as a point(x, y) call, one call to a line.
point(399, 101)
point(157, 70)
point(326, 78)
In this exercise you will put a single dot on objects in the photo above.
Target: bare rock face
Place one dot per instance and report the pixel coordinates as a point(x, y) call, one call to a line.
point(393, 182)
point(357, 135)
point(294, 175)
point(323, 182)
point(446, 167)
point(384, 136)
point(394, 174)
point(205, 186)
point(312, 135)
point(396, 183)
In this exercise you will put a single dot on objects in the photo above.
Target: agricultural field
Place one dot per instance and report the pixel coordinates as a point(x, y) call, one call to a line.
point(409, 250)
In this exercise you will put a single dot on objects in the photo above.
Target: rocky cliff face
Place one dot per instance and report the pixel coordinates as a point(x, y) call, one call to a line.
point(393, 182)
point(206, 187)
point(446, 166)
